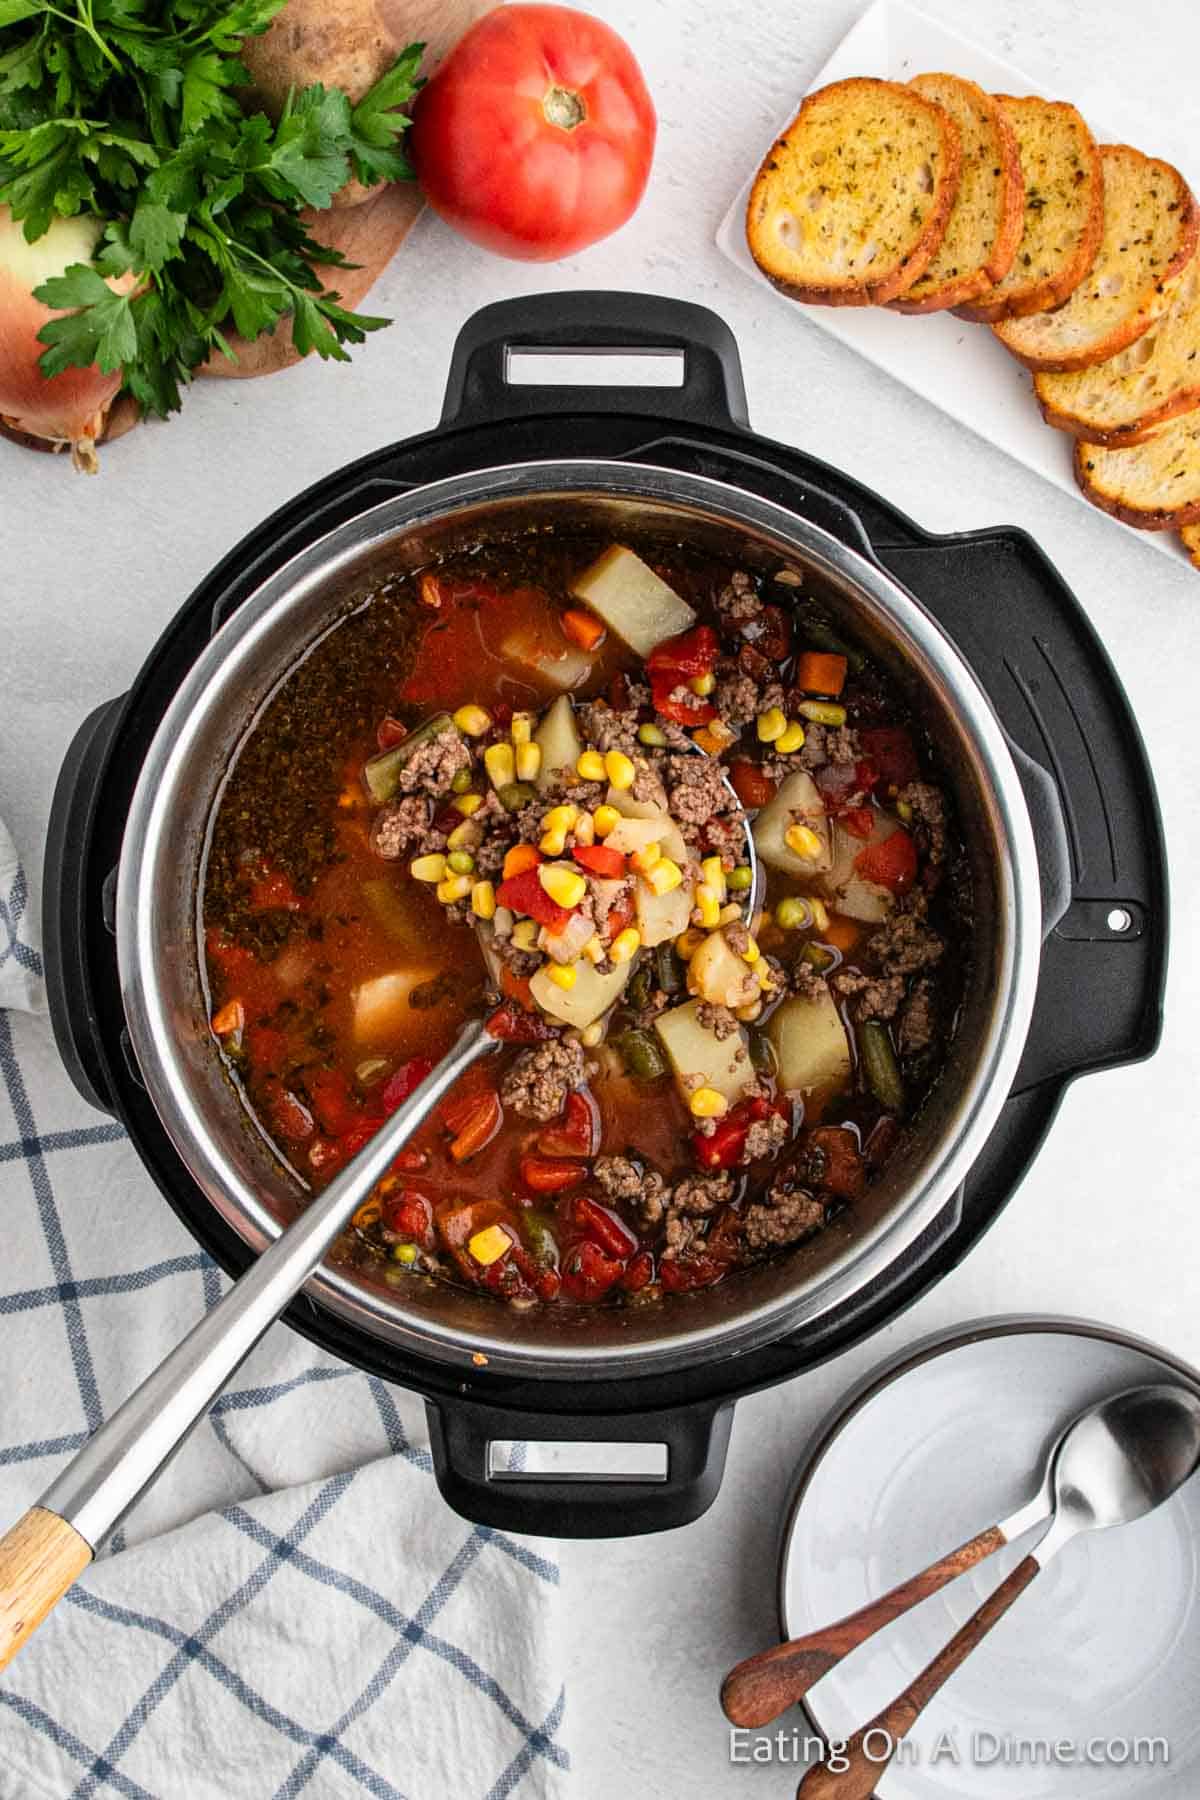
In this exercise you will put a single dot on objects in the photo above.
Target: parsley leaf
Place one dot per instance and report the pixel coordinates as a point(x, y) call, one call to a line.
point(377, 123)
point(102, 331)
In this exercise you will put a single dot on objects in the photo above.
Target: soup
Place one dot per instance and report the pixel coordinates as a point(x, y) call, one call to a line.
point(686, 848)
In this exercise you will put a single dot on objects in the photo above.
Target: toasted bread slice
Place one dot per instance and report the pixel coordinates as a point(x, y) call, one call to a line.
point(1155, 485)
point(1150, 228)
point(1064, 211)
point(852, 201)
point(987, 218)
point(1126, 399)
point(1191, 542)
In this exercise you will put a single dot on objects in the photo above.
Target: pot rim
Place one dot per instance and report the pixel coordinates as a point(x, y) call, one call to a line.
point(214, 675)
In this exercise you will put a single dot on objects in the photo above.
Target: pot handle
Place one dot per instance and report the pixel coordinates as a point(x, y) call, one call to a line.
point(1049, 835)
point(68, 920)
point(478, 1452)
point(481, 388)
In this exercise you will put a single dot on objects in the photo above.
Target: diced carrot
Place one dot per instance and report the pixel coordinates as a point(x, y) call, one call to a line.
point(842, 933)
point(520, 858)
point(583, 628)
point(819, 672)
point(230, 1019)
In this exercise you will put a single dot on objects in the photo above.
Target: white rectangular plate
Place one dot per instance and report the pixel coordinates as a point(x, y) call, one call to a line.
point(960, 367)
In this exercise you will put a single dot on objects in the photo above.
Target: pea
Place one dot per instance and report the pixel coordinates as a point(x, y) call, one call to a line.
point(653, 736)
point(879, 1064)
point(460, 781)
point(793, 913)
point(739, 879)
point(819, 956)
point(516, 794)
point(643, 1058)
point(461, 861)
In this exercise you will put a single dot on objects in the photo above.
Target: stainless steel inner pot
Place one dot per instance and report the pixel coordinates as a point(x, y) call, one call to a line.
point(180, 784)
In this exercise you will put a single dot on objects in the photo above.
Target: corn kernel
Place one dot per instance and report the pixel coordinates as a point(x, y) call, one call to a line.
point(791, 739)
point(521, 729)
point(664, 877)
point(454, 887)
point(593, 1034)
point(708, 907)
point(467, 804)
point(771, 725)
point(528, 761)
point(563, 884)
point(751, 953)
point(707, 1103)
point(552, 843)
point(427, 868)
point(645, 859)
point(822, 712)
point(406, 1254)
point(626, 944)
point(620, 770)
point(703, 685)
point(765, 978)
point(501, 764)
point(905, 811)
point(563, 975)
point(483, 900)
point(748, 1014)
point(714, 737)
point(502, 923)
point(653, 736)
point(594, 949)
point(712, 871)
point(590, 766)
point(820, 913)
point(525, 934)
point(604, 820)
point(489, 1245)
point(561, 818)
point(472, 720)
point(585, 830)
point(804, 842)
point(687, 943)
point(464, 836)
point(730, 914)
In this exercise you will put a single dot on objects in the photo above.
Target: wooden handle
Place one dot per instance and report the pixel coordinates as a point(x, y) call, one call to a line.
point(858, 1780)
point(39, 1559)
point(763, 1686)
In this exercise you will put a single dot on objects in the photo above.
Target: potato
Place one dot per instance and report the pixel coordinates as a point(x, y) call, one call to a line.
point(592, 994)
point(719, 974)
point(557, 737)
point(349, 44)
point(701, 1059)
point(665, 832)
point(811, 1048)
point(796, 803)
point(632, 601)
point(661, 917)
point(848, 891)
point(381, 1009)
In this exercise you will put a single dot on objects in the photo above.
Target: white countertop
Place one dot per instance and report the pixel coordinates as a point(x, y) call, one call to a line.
point(1107, 1226)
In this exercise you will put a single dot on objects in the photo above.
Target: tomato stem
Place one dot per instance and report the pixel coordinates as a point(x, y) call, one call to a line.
point(564, 107)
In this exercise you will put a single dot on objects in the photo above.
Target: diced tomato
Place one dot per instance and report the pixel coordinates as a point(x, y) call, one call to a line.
point(835, 1162)
point(639, 1272)
point(771, 634)
point(891, 749)
point(389, 733)
point(587, 1273)
point(512, 1025)
point(287, 1116)
point(547, 1284)
point(358, 1137)
point(682, 707)
point(524, 893)
point(684, 656)
point(273, 892)
point(723, 1149)
point(866, 776)
point(335, 1107)
point(752, 785)
point(604, 1227)
point(550, 1174)
point(477, 1127)
point(403, 1081)
point(577, 1132)
point(410, 1216)
point(411, 1162)
point(598, 859)
point(892, 863)
point(680, 1275)
point(266, 1048)
point(859, 821)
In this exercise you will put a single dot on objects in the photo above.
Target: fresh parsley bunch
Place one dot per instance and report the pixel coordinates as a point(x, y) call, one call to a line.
point(129, 110)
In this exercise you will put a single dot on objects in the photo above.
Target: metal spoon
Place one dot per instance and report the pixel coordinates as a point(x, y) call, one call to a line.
point(1115, 1464)
point(47, 1549)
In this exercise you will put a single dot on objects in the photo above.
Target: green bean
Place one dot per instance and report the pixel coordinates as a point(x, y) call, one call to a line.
point(879, 1064)
point(516, 794)
point(824, 637)
point(638, 991)
point(668, 969)
point(642, 1056)
point(382, 773)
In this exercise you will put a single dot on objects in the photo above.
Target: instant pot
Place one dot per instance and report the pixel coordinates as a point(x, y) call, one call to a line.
point(1052, 791)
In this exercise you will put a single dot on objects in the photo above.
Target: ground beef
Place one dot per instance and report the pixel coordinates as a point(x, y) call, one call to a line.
point(521, 962)
point(906, 945)
point(725, 838)
point(434, 764)
point(874, 996)
point(736, 698)
point(738, 602)
point(696, 789)
point(403, 829)
point(766, 1137)
point(605, 894)
point(805, 981)
point(679, 1234)
point(586, 795)
point(604, 729)
point(620, 1178)
point(929, 814)
point(828, 744)
point(916, 1020)
point(647, 784)
point(737, 937)
point(699, 1195)
point(717, 1019)
point(785, 1217)
point(537, 1085)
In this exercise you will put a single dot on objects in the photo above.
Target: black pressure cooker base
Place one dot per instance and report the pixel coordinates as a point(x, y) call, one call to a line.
point(1016, 623)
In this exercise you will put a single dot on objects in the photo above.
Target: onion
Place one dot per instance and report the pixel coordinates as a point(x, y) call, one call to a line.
point(68, 410)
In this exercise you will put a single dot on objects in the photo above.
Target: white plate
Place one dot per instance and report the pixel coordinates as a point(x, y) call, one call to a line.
point(960, 367)
point(1105, 1644)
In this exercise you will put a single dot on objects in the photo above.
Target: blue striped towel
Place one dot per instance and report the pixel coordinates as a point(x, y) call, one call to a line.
point(292, 1609)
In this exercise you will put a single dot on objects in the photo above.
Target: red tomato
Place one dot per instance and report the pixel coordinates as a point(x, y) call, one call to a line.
point(287, 1116)
point(604, 1228)
point(524, 893)
point(638, 1272)
point(891, 749)
point(337, 1111)
point(550, 1175)
point(599, 860)
point(752, 785)
point(512, 1025)
point(893, 863)
point(400, 1084)
point(535, 136)
point(672, 699)
point(859, 821)
point(587, 1273)
point(680, 1275)
point(575, 1134)
point(686, 655)
point(477, 1128)
point(836, 1162)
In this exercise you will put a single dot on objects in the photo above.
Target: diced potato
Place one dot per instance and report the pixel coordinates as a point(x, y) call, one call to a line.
point(592, 994)
point(558, 739)
point(666, 832)
point(559, 665)
point(631, 599)
point(661, 917)
point(695, 1052)
point(796, 803)
point(811, 1047)
point(719, 974)
point(381, 1009)
point(849, 891)
point(866, 901)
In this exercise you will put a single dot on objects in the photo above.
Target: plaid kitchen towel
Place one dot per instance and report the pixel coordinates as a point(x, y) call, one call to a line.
point(292, 1609)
